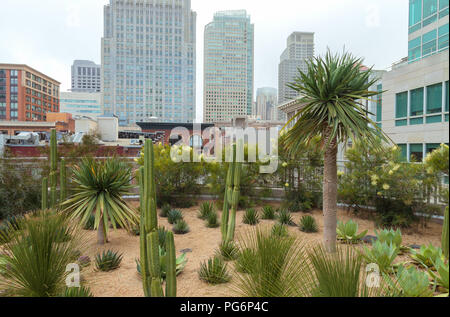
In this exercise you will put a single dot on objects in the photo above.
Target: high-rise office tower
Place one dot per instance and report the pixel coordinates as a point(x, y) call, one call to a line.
point(148, 60)
point(300, 47)
point(266, 103)
point(86, 76)
point(228, 66)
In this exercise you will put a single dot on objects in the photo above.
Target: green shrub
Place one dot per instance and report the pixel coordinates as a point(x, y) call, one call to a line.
point(181, 227)
point(36, 263)
point(410, 283)
point(348, 232)
point(214, 271)
point(212, 221)
point(284, 217)
point(82, 291)
point(251, 217)
point(174, 215)
point(205, 209)
point(427, 255)
point(280, 230)
point(308, 224)
point(108, 261)
point(268, 213)
point(244, 261)
point(227, 251)
point(382, 254)
point(165, 211)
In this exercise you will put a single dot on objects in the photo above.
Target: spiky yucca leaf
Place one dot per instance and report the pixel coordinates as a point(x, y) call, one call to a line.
point(214, 271)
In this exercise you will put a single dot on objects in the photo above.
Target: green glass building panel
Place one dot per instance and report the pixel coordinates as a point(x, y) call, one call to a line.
point(434, 119)
point(443, 42)
point(430, 36)
point(401, 110)
point(414, 48)
point(443, 13)
point(416, 121)
point(415, 12)
point(429, 20)
point(434, 98)
point(443, 4)
point(379, 112)
point(429, 7)
point(446, 118)
point(416, 107)
point(401, 123)
point(430, 147)
point(415, 43)
point(446, 96)
point(415, 28)
point(404, 151)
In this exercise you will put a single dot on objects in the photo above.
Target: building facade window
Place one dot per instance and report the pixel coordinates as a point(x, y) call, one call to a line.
point(416, 152)
point(443, 37)
point(401, 108)
point(417, 98)
point(434, 99)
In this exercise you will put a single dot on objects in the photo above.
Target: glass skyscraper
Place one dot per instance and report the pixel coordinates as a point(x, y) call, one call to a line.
point(228, 66)
point(148, 60)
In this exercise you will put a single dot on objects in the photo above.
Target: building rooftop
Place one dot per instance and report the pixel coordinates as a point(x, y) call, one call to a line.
point(26, 67)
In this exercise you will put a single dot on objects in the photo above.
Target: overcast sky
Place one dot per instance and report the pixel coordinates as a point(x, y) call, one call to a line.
point(49, 34)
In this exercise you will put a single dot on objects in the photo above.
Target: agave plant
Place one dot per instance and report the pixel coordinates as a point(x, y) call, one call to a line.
point(214, 271)
point(251, 217)
point(180, 263)
point(382, 254)
point(427, 255)
point(165, 211)
point(391, 237)
point(409, 282)
point(284, 217)
point(174, 215)
point(212, 220)
point(441, 276)
point(205, 209)
point(268, 213)
point(82, 291)
point(99, 189)
point(108, 261)
point(348, 232)
point(308, 224)
point(279, 230)
point(227, 251)
point(181, 227)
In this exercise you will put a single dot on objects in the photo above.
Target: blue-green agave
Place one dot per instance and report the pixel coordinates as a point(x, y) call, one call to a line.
point(348, 232)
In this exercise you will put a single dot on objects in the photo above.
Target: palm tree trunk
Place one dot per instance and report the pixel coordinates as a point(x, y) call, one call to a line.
point(101, 233)
point(330, 197)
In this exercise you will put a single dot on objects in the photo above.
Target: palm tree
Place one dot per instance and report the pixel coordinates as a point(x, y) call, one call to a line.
point(331, 91)
point(99, 189)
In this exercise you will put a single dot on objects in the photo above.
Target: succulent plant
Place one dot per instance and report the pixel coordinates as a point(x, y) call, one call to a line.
point(205, 209)
point(308, 224)
point(411, 283)
point(227, 251)
point(180, 263)
point(382, 254)
point(441, 275)
point(268, 213)
point(427, 255)
point(108, 261)
point(280, 230)
point(174, 215)
point(244, 260)
point(212, 221)
point(165, 211)
point(348, 232)
point(284, 217)
point(214, 271)
point(82, 291)
point(251, 217)
point(445, 235)
point(181, 227)
point(162, 237)
point(390, 237)
point(84, 261)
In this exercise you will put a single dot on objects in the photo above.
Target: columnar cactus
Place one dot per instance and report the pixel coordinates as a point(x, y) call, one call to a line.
point(149, 242)
point(44, 198)
point(53, 168)
point(62, 181)
point(231, 198)
point(445, 236)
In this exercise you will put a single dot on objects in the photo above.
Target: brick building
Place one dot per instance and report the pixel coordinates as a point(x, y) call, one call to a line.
point(26, 94)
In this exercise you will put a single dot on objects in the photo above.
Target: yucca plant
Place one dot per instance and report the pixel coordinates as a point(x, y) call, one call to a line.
point(308, 224)
point(284, 217)
point(165, 211)
point(348, 232)
point(338, 274)
point(409, 282)
point(99, 188)
point(227, 251)
point(245, 259)
point(279, 230)
point(81, 291)
point(251, 217)
point(332, 90)
point(441, 276)
point(277, 267)
point(212, 220)
point(181, 227)
point(214, 271)
point(174, 215)
point(205, 209)
point(35, 265)
point(382, 254)
point(268, 213)
point(108, 261)
point(90, 223)
point(427, 255)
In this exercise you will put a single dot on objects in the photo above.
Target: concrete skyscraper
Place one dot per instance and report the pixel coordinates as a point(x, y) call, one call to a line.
point(266, 103)
point(300, 47)
point(148, 60)
point(228, 66)
point(86, 76)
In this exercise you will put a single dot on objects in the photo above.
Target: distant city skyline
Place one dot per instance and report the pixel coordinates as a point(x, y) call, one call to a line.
point(360, 26)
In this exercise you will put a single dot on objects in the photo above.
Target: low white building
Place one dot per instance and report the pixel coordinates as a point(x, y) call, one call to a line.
point(81, 103)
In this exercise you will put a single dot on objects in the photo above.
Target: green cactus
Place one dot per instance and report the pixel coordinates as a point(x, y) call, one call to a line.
point(53, 168)
point(445, 236)
point(62, 181)
point(44, 198)
point(149, 239)
point(231, 198)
